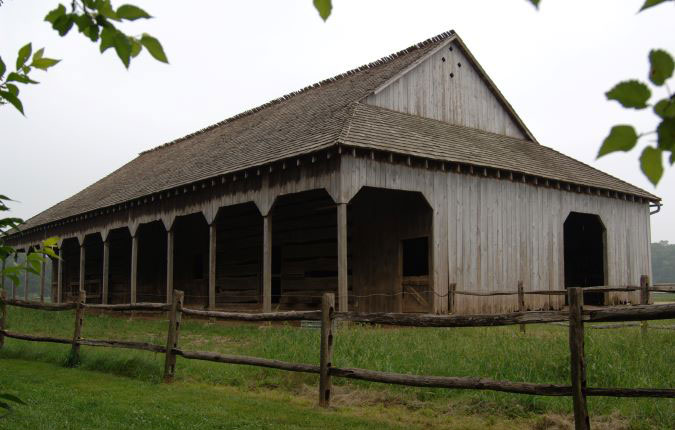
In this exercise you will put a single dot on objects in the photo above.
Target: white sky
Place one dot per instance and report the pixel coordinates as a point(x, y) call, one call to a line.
point(89, 115)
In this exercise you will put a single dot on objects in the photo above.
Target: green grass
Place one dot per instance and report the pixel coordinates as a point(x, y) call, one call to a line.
point(664, 297)
point(615, 358)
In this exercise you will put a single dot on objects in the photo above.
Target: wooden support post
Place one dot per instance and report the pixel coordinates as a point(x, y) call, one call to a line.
point(134, 267)
point(169, 264)
point(3, 316)
point(212, 265)
point(83, 252)
point(267, 263)
point(14, 283)
point(644, 300)
point(325, 385)
point(175, 317)
point(575, 298)
point(451, 297)
point(77, 334)
point(105, 281)
point(42, 280)
point(59, 278)
point(343, 280)
point(521, 302)
point(25, 279)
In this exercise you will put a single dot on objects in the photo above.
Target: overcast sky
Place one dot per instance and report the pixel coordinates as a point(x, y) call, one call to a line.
point(89, 115)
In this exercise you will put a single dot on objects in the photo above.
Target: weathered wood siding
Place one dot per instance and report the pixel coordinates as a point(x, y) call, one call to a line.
point(465, 99)
point(489, 233)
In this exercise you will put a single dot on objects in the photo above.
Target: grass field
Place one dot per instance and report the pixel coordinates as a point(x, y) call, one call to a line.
point(619, 357)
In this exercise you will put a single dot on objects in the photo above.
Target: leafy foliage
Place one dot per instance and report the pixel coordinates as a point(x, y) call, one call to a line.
point(324, 7)
point(9, 90)
point(95, 19)
point(621, 138)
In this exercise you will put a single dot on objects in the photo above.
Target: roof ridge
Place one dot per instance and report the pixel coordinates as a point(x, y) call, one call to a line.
point(376, 63)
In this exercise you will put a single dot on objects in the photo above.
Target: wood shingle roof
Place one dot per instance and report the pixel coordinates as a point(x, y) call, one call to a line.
point(315, 118)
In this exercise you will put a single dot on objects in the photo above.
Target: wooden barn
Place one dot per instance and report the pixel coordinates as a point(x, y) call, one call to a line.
point(385, 184)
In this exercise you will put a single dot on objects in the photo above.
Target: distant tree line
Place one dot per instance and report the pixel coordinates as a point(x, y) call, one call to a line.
point(663, 261)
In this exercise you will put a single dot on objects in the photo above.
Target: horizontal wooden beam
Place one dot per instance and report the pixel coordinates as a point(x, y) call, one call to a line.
point(251, 361)
point(263, 316)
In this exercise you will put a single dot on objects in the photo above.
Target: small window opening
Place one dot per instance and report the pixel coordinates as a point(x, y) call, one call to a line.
point(459, 64)
point(452, 75)
point(443, 59)
point(450, 48)
point(416, 256)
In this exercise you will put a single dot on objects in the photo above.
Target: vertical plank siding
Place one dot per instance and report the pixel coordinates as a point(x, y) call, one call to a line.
point(499, 232)
point(464, 98)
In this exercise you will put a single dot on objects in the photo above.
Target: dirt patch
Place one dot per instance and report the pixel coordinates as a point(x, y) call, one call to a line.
point(566, 422)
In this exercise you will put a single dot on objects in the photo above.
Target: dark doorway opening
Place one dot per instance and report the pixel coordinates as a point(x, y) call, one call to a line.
point(584, 241)
point(276, 274)
point(416, 256)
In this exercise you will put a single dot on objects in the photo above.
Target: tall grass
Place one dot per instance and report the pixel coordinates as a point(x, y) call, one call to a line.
point(615, 358)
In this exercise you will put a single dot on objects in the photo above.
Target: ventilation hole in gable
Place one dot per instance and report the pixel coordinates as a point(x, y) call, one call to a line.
point(450, 48)
point(459, 64)
point(452, 75)
point(443, 59)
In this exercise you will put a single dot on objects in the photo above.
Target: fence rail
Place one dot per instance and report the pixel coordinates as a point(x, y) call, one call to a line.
point(575, 319)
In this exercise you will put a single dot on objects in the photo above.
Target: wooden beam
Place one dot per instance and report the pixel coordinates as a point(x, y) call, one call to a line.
point(134, 266)
point(169, 264)
point(326, 349)
point(25, 279)
point(267, 263)
point(577, 366)
point(106, 272)
point(59, 278)
point(644, 300)
point(43, 267)
point(175, 319)
point(212, 265)
point(343, 287)
point(83, 253)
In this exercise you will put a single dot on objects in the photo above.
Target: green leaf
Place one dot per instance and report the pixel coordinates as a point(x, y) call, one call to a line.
point(11, 398)
point(15, 77)
point(672, 158)
point(666, 134)
point(13, 89)
point(24, 54)
point(123, 48)
point(154, 47)
point(44, 63)
point(535, 3)
point(105, 9)
point(135, 47)
point(107, 38)
point(661, 66)
point(131, 12)
point(55, 14)
point(651, 163)
point(631, 94)
point(620, 138)
point(38, 54)
point(651, 3)
point(3, 68)
point(13, 100)
point(324, 7)
point(665, 108)
point(64, 23)
point(87, 26)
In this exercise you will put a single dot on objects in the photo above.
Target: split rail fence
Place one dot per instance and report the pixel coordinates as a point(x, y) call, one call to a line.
point(576, 317)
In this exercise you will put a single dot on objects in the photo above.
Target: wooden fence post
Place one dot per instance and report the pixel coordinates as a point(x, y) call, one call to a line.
point(77, 334)
point(577, 366)
point(325, 386)
point(521, 303)
point(3, 316)
point(175, 317)
point(644, 300)
point(451, 297)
